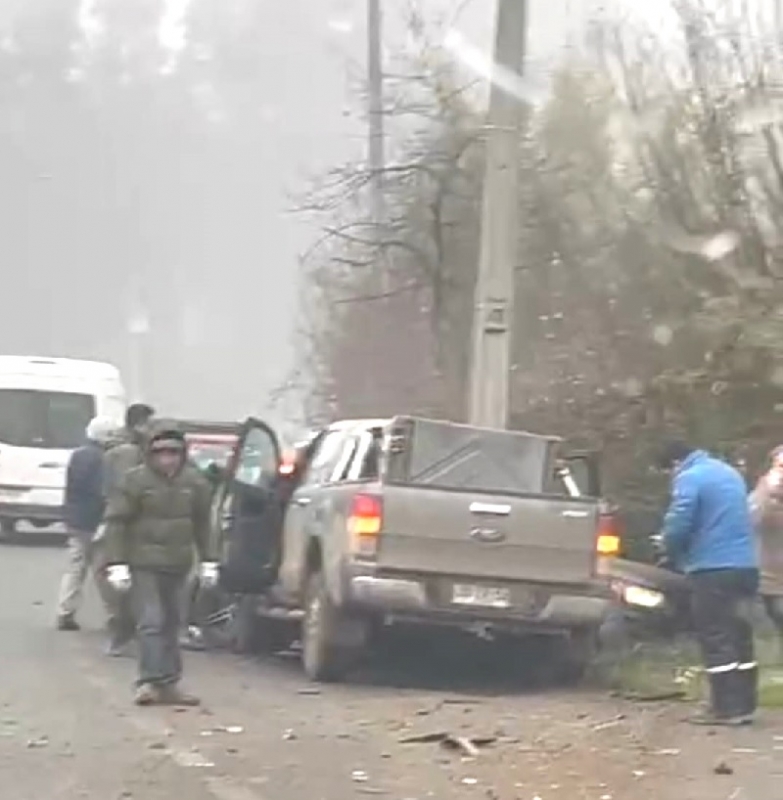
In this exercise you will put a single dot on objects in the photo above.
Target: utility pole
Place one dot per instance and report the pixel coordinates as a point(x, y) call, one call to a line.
point(376, 154)
point(494, 296)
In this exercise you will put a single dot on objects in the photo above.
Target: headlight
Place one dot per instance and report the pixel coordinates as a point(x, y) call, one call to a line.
point(645, 598)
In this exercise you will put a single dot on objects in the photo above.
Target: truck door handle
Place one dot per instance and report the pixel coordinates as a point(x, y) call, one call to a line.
point(496, 509)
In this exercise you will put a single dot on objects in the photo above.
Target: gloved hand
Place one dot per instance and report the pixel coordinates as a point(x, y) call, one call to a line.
point(119, 577)
point(209, 574)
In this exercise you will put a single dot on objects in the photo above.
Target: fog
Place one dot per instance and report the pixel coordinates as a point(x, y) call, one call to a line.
point(153, 155)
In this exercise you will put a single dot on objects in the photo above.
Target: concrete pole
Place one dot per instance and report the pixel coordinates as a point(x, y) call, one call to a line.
point(494, 294)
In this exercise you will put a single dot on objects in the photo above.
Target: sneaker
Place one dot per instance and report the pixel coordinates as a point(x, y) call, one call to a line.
point(193, 640)
point(172, 695)
point(147, 695)
point(67, 622)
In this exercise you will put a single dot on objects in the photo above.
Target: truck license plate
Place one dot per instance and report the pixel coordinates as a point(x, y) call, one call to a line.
point(465, 594)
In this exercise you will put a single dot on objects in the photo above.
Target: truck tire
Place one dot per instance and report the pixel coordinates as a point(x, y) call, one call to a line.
point(570, 656)
point(331, 640)
point(253, 634)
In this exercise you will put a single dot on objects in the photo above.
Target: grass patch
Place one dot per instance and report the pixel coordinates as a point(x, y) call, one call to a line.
point(771, 689)
point(652, 670)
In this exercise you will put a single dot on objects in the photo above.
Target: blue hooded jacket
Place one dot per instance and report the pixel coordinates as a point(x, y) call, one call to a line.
point(708, 525)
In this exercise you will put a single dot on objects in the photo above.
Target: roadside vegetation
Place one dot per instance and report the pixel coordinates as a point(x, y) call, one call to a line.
point(649, 296)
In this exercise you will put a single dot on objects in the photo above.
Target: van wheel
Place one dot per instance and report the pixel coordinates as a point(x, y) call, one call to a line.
point(331, 640)
point(7, 529)
point(253, 634)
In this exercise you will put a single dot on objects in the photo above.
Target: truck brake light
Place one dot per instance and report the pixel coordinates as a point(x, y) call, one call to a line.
point(608, 538)
point(365, 519)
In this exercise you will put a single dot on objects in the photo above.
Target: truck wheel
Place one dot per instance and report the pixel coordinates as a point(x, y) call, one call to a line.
point(253, 634)
point(331, 640)
point(570, 656)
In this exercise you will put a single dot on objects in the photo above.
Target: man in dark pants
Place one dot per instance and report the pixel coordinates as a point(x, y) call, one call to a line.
point(154, 523)
point(708, 534)
point(125, 455)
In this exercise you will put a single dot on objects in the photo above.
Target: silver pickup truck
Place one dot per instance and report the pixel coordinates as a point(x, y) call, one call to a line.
point(407, 521)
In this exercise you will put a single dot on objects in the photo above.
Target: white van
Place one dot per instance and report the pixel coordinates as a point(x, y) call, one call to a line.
point(45, 406)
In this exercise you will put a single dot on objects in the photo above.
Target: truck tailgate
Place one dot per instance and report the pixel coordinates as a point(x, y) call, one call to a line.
point(458, 533)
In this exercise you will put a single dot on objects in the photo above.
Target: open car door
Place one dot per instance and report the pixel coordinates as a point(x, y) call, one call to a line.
point(248, 513)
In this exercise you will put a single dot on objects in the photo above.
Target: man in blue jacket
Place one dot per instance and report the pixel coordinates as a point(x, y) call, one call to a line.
point(708, 535)
point(84, 505)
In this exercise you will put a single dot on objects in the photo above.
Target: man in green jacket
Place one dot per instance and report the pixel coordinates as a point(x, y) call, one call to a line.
point(155, 521)
point(123, 456)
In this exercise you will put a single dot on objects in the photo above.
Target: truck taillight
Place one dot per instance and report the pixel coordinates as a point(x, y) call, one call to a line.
point(365, 518)
point(608, 539)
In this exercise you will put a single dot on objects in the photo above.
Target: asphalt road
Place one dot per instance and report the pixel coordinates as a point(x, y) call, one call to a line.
point(68, 729)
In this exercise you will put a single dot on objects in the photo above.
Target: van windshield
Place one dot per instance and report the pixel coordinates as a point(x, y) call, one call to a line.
point(52, 420)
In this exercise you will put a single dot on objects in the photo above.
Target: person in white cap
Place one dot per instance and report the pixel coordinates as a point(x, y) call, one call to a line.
point(84, 505)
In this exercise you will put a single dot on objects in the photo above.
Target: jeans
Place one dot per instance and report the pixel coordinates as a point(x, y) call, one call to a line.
point(157, 598)
point(773, 605)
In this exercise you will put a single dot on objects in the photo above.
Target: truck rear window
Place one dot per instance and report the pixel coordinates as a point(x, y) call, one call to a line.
point(459, 457)
point(51, 420)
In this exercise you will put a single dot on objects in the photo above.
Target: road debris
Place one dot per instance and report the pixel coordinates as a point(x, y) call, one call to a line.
point(469, 781)
point(359, 776)
point(655, 697)
point(468, 745)
point(722, 768)
point(289, 735)
point(309, 690)
point(36, 744)
point(609, 723)
point(233, 729)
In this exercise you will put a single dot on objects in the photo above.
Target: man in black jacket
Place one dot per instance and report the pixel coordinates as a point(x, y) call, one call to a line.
point(84, 505)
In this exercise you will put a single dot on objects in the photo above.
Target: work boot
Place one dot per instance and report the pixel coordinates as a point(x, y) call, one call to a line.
point(67, 622)
point(726, 708)
point(172, 695)
point(147, 694)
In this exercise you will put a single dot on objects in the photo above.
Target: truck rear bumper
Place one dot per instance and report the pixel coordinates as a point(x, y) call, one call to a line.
point(407, 599)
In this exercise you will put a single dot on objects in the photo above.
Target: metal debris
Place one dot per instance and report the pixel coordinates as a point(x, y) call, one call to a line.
point(35, 744)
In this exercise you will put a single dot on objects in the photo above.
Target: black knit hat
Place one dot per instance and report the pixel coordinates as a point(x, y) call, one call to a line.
point(673, 452)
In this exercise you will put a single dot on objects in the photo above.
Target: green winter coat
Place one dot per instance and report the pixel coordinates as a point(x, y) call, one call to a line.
point(156, 522)
point(118, 461)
